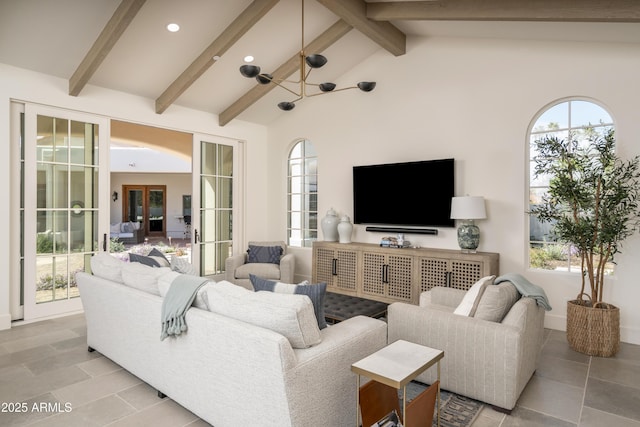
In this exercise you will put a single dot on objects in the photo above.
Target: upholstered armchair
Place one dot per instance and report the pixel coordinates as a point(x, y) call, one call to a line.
point(267, 260)
point(489, 356)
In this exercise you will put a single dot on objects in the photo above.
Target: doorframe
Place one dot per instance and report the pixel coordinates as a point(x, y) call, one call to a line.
point(146, 218)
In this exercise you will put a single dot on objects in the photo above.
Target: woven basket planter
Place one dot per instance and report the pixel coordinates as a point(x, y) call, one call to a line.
point(593, 330)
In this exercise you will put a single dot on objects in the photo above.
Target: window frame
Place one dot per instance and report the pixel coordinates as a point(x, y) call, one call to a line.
point(568, 131)
point(302, 219)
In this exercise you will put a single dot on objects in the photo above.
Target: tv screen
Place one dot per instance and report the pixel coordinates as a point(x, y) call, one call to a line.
point(404, 194)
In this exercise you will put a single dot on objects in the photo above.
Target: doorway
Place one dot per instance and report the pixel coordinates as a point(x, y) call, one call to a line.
point(147, 205)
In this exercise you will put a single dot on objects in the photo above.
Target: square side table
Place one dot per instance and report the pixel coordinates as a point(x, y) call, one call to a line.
point(396, 365)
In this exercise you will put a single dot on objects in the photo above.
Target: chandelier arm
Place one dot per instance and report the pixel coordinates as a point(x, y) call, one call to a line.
point(333, 91)
point(287, 89)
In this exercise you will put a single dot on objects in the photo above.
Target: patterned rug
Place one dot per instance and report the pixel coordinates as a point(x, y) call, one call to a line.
point(455, 410)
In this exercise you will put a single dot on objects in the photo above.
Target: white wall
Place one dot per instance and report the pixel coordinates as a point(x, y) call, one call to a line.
point(471, 99)
point(24, 85)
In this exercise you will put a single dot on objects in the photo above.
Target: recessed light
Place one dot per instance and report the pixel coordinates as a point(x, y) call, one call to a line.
point(216, 57)
point(248, 58)
point(173, 27)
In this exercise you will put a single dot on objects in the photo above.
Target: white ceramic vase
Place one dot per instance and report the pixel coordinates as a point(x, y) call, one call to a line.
point(329, 226)
point(345, 228)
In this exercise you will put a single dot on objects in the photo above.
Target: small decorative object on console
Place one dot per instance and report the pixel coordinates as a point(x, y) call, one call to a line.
point(345, 228)
point(394, 242)
point(330, 226)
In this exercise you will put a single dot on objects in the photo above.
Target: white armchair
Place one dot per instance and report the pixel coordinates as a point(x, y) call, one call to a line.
point(237, 269)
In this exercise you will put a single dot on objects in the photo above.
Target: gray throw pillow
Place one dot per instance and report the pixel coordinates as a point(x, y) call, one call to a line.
point(264, 254)
point(315, 292)
point(154, 259)
point(496, 301)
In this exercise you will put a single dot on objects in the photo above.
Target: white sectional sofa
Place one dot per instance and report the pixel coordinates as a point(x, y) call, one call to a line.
point(229, 372)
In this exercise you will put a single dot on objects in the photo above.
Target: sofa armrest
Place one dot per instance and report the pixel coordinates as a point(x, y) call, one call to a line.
point(324, 371)
point(482, 359)
point(287, 268)
point(231, 264)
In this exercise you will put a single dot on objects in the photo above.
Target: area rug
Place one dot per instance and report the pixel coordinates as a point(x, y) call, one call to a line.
point(455, 410)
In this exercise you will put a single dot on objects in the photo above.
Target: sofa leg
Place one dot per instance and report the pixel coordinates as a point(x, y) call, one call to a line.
point(91, 349)
point(161, 395)
point(501, 410)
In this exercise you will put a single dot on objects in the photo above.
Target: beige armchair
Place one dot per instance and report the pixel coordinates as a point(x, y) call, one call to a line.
point(237, 269)
point(490, 361)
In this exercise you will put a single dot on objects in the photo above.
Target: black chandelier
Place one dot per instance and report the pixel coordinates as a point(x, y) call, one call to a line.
point(307, 63)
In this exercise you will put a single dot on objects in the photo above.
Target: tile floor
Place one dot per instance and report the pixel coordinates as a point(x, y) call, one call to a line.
point(46, 366)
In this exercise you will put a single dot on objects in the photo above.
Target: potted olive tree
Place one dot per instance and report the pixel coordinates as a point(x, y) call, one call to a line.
point(592, 205)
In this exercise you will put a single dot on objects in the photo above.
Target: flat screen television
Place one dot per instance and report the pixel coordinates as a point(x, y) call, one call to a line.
point(404, 194)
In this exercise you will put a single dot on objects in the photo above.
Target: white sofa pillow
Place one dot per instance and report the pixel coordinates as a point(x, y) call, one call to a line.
point(105, 266)
point(164, 283)
point(471, 299)
point(143, 277)
point(290, 315)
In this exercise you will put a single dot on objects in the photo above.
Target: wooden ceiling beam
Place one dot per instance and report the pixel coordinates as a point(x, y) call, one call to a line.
point(243, 23)
point(507, 10)
point(354, 12)
point(110, 34)
point(319, 44)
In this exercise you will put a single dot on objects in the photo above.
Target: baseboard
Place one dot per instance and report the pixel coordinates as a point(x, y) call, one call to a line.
point(5, 321)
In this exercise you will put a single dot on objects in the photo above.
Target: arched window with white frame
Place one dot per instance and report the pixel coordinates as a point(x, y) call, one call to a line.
point(574, 119)
point(302, 195)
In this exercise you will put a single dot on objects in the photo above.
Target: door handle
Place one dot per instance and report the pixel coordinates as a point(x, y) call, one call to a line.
point(196, 237)
point(334, 267)
point(104, 242)
point(385, 273)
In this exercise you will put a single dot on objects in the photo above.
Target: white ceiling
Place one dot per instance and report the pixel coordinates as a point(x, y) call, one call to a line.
point(53, 36)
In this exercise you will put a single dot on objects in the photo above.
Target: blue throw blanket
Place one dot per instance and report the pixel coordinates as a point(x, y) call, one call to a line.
point(526, 288)
point(179, 298)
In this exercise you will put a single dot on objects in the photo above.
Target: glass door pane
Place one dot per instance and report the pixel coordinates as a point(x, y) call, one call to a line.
point(156, 211)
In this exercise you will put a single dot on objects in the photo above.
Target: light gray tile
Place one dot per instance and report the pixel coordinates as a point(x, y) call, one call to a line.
point(629, 353)
point(594, 418)
point(488, 412)
point(165, 414)
point(202, 423)
point(557, 346)
point(72, 343)
point(33, 411)
point(614, 398)
point(96, 388)
point(60, 360)
point(38, 340)
point(554, 398)
point(99, 366)
point(562, 370)
point(484, 421)
point(26, 356)
point(97, 413)
point(140, 396)
point(522, 417)
point(616, 370)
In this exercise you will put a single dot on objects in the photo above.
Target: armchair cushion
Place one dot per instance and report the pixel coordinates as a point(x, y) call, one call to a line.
point(471, 299)
point(264, 254)
point(496, 301)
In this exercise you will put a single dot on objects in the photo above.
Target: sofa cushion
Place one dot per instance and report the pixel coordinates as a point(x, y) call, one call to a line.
point(143, 277)
point(471, 299)
point(315, 292)
point(496, 301)
point(200, 301)
point(106, 266)
point(264, 254)
point(287, 314)
point(264, 270)
point(115, 228)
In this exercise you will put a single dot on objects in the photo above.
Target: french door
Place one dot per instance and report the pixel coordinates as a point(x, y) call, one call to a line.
point(65, 182)
point(146, 204)
point(216, 202)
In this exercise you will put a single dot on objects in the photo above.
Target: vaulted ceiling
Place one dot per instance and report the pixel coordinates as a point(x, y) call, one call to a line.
point(124, 45)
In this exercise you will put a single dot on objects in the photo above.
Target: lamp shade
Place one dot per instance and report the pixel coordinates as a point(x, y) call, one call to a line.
point(468, 207)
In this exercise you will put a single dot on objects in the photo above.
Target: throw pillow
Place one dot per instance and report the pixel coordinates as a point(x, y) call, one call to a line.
point(287, 314)
point(143, 277)
point(264, 254)
point(154, 259)
point(471, 299)
point(127, 227)
point(496, 301)
point(183, 266)
point(315, 292)
point(115, 228)
point(106, 266)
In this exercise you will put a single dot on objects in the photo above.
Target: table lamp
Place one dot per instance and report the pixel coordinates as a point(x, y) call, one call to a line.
point(467, 209)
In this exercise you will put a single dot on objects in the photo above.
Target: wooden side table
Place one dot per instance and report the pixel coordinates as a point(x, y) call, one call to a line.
point(396, 365)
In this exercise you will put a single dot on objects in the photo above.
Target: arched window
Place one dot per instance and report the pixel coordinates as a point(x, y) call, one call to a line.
point(569, 120)
point(302, 195)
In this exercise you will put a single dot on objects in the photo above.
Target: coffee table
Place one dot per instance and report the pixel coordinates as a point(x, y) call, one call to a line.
point(396, 365)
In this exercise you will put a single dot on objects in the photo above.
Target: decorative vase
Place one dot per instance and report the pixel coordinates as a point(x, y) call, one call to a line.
point(329, 226)
point(345, 228)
